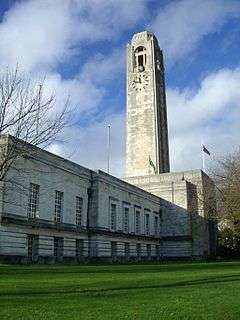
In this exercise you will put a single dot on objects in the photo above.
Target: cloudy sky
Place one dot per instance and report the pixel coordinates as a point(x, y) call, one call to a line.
point(78, 46)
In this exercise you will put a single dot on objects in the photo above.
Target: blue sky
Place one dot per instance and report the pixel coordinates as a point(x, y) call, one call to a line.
point(78, 46)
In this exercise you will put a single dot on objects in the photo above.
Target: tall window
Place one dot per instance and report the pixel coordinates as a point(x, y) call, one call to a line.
point(156, 226)
point(113, 249)
point(147, 224)
point(113, 216)
point(137, 222)
point(58, 206)
point(157, 250)
point(138, 250)
point(140, 57)
point(126, 220)
point(79, 248)
point(33, 200)
point(148, 251)
point(127, 250)
point(58, 248)
point(79, 208)
point(32, 247)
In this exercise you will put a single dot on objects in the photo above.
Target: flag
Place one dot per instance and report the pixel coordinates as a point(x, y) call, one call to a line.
point(152, 164)
point(205, 150)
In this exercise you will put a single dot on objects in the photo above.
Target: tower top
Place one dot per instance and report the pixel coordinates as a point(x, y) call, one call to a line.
point(143, 36)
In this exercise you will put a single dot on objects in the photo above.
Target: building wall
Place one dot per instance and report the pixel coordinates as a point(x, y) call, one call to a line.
point(189, 191)
point(51, 173)
point(98, 190)
point(113, 190)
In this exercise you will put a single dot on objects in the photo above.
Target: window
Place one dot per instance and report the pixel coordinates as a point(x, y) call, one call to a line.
point(113, 249)
point(156, 226)
point(33, 200)
point(138, 250)
point(79, 248)
point(149, 251)
point(58, 248)
point(147, 224)
point(79, 207)
point(161, 214)
point(127, 250)
point(32, 247)
point(126, 220)
point(58, 206)
point(140, 57)
point(157, 250)
point(113, 216)
point(137, 222)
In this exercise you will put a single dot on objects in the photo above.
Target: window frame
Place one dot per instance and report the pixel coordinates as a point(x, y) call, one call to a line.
point(147, 222)
point(137, 221)
point(33, 200)
point(58, 206)
point(58, 244)
point(78, 211)
point(127, 250)
point(156, 225)
point(139, 250)
point(79, 249)
point(126, 215)
point(113, 217)
point(113, 249)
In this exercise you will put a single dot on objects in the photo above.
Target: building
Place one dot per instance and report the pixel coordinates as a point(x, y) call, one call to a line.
point(52, 209)
point(147, 129)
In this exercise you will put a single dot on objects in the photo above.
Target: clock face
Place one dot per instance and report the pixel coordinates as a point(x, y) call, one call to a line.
point(140, 82)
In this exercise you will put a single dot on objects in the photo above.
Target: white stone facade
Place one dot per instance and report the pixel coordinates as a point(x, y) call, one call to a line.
point(155, 228)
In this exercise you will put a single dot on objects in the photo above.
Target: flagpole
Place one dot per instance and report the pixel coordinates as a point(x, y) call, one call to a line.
point(109, 145)
point(149, 171)
point(203, 157)
point(203, 160)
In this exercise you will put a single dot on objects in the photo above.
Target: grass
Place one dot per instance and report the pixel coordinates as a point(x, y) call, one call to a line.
point(150, 291)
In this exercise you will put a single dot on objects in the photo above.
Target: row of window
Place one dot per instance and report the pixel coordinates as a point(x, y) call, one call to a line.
point(33, 248)
point(125, 222)
point(33, 205)
point(33, 210)
point(138, 250)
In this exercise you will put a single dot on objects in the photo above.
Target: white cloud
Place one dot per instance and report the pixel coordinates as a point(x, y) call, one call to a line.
point(180, 25)
point(36, 34)
point(211, 114)
point(40, 34)
point(88, 146)
point(101, 69)
point(84, 95)
point(218, 93)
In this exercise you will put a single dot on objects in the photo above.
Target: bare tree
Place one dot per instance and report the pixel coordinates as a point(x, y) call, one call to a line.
point(27, 115)
point(227, 177)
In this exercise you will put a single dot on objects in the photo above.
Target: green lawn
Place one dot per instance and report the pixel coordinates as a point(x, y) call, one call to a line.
point(150, 291)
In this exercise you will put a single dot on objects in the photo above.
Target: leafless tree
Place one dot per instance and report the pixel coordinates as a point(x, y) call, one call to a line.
point(227, 179)
point(27, 115)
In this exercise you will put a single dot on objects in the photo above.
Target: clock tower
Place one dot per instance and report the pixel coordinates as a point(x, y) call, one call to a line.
point(147, 130)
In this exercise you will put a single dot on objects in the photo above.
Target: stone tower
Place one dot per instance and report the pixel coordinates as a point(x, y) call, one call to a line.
point(147, 130)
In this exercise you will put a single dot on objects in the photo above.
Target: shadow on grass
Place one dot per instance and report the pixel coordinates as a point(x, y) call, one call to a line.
point(114, 290)
point(114, 269)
